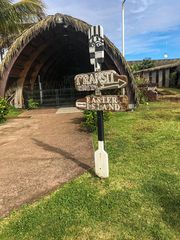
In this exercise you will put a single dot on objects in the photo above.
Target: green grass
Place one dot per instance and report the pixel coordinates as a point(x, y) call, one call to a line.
point(169, 91)
point(140, 200)
point(13, 112)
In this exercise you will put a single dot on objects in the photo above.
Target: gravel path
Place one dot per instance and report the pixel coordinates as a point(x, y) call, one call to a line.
point(38, 152)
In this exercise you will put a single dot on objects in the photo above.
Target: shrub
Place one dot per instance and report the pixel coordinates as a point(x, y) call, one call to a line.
point(144, 64)
point(32, 104)
point(13, 111)
point(90, 119)
point(4, 109)
point(142, 98)
point(141, 80)
point(173, 78)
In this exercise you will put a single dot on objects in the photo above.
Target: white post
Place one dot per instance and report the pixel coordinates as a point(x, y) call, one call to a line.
point(167, 76)
point(40, 89)
point(101, 161)
point(154, 73)
point(160, 82)
point(18, 97)
point(100, 156)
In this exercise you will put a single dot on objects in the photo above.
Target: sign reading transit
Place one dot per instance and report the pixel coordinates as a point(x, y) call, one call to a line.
point(99, 80)
point(106, 103)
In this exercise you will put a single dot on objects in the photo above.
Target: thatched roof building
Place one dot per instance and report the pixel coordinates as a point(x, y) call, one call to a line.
point(53, 50)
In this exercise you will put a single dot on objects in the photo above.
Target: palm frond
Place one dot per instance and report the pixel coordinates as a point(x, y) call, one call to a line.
point(7, 17)
point(29, 10)
point(13, 16)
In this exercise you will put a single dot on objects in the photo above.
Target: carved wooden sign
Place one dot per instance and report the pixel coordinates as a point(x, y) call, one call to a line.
point(106, 103)
point(99, 80)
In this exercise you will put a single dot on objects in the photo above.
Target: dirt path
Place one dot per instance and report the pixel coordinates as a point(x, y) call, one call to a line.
point(38, 152)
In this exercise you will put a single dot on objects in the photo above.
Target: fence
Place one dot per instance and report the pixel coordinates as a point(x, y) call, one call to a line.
point(55, 97)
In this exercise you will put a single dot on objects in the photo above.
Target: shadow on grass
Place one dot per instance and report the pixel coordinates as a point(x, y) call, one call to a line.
point(167, 197)
point(64, 153)
point(82, 205)
point(177, 118)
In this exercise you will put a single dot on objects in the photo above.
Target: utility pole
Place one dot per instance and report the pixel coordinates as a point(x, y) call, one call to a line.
point(123, 50)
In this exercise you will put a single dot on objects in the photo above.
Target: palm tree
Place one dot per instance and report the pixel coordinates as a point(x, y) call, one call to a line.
point(15, 17)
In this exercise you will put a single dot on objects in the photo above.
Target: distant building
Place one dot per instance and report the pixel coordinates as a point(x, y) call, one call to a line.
point(166, 73)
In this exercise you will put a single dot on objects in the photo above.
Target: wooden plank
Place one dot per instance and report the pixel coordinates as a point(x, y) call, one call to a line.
point(107, 103)
point(99, 80)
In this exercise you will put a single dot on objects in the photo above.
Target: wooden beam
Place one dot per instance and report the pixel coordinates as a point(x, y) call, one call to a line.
point(36, 71)
point(14, 76)
point(45, 68)
point(19, 66)
point(33, 46)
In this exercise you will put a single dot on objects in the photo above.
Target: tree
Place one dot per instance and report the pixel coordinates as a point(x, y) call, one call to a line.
point(145, 64)
point(15, 17)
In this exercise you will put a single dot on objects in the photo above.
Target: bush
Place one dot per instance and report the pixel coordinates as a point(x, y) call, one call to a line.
point(13, 111)
point(144, 64)
point(4, 109)
point(141, 80)
point(90, 119)
point(32, 104)
point(173, 78)
point(142, 98)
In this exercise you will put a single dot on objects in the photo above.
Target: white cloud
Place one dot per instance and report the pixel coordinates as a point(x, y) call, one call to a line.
point(147, 22)
point(140, 15)
point(140, 6)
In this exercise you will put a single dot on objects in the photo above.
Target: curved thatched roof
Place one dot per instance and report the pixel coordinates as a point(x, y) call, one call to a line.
point(79, 26)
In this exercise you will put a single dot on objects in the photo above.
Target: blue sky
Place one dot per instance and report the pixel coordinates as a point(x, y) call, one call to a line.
point(152, 27)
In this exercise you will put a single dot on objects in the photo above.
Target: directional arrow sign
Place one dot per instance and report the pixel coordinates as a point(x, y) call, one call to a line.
point(105, 103)
point(100, 80)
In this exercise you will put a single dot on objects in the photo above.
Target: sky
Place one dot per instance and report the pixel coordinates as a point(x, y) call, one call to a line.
point(152, 27)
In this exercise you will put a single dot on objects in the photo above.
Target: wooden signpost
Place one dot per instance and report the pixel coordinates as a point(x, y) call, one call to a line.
point(106, 103)
point(98, 81)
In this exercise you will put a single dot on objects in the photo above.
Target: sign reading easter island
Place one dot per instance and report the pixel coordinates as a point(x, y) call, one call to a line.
point(99, 80)
point(106, 103)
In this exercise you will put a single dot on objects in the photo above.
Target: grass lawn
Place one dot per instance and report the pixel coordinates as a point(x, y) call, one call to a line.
point(14, 112)
point(169, 91)
point(140, 200)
